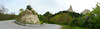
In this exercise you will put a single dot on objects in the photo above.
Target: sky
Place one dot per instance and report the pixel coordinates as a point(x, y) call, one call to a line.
point(53, 6)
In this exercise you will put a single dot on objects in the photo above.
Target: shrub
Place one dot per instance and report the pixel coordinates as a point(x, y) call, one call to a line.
point(63, 18)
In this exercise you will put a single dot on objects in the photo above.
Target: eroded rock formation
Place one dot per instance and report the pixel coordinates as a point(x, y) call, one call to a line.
point(85, 11)
point(28, 16)
point(70, 9)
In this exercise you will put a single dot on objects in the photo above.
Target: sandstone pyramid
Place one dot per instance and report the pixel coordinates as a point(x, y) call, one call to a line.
point(70, 9)
point(85, 11)
point(28, 16)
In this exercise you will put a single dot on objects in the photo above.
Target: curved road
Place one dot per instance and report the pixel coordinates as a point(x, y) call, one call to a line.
point(11, 25)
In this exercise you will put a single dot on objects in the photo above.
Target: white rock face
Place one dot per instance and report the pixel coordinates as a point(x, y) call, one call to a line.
point(70, 9)
point(29, 17)
point(85, 11)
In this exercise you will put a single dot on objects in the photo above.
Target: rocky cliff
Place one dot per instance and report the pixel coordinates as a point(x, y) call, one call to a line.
point(85, 11)
point(28, 16)
point(70, 9)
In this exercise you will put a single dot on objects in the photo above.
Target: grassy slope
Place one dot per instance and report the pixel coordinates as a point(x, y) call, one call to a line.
point(72, 27)
point(7, 19)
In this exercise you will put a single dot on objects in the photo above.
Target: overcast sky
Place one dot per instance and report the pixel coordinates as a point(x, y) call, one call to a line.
point(53, 6)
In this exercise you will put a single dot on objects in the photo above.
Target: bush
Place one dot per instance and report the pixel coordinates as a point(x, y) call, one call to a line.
point(82, 22)
point(63, 18)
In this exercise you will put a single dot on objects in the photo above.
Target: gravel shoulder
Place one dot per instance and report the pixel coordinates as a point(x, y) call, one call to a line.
point(11, 25)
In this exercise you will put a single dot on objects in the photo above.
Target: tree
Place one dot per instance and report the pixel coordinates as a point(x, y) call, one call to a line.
point(29, 7)
point(21, 10)
point(3, 9)
point(97, 10)
point(91, 19)
point(47, 16)
point(4, 16)
point(96, 20)
point(72, 14)
point(47, 13)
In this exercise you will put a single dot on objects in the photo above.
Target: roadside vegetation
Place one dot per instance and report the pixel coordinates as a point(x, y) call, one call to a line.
point(72, 20)
point(73, 27)
point(4, 16)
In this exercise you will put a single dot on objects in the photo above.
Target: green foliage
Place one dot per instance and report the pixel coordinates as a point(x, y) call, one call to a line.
point(72, 14)
point(21, 10)
point(34, 12)
point(41, 22)
point(29, 7)
point(47, 17)
point(41, 18)
point(4, 16)
point(96, 12)
point(74, 22)
point(7, 17)
point(72, 27)
point(18, 19)
point(63, 18)
point(47, 13)
point(22, 13)
point(93, 19)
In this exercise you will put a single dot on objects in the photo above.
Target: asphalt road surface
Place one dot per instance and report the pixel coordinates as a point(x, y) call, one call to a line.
point(11, 25)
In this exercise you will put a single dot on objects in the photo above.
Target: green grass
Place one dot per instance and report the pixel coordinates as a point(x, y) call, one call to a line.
point(72, 27)
point(7, 19)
